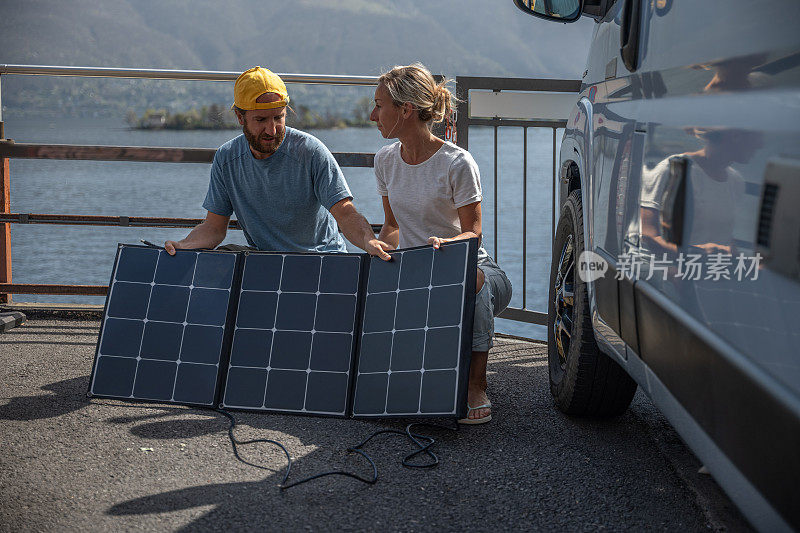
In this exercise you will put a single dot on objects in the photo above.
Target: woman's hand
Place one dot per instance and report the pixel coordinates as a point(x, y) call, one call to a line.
point(712, 248)
point(437, 241)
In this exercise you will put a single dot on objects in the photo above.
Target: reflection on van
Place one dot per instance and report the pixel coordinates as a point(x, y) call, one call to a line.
point(680, 169)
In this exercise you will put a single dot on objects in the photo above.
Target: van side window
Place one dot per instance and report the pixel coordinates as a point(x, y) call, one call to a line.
point(597, 9)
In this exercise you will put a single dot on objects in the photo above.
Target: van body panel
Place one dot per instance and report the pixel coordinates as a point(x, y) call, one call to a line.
point(753, 421)
point(713, 106)
point(738, 487)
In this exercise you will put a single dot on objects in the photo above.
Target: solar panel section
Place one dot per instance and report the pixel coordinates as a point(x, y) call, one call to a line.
point(416, 333)
point(293, 342)
point(163, 330)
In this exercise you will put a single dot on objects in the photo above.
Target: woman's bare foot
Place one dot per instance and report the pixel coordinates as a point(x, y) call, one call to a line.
point(476, 390)
point(475, 397)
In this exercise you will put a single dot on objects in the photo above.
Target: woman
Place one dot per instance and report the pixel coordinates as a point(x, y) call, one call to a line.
point(432, 194)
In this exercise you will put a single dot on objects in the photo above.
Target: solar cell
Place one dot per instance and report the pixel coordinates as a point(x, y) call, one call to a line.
point(416, 333)
point(293, 344)
point(163, 330)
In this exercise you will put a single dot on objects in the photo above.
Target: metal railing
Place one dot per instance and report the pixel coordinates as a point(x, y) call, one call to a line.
point(163, 74)
point(464, 120)
point(10, 149)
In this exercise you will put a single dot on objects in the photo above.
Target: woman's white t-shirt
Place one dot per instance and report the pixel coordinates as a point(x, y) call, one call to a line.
point(711, 204)
point(425, 198)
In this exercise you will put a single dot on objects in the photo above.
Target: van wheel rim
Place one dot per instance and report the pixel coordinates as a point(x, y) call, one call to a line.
point(564, 301)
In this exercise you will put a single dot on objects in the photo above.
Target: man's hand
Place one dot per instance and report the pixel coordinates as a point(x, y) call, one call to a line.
point(378, 248)
point(171, 246)
point(206, 235)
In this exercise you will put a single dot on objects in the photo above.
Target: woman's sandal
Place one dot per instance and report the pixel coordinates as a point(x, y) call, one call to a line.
point(481, 420)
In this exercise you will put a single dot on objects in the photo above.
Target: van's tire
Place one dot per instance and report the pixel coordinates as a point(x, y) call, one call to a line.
point(583, 380)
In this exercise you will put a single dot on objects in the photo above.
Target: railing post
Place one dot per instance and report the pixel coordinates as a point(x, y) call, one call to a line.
point(5, 207)
point(524, 213)
point(2, 133)
point(462, 115)
point(496, 199)
point(5, 228)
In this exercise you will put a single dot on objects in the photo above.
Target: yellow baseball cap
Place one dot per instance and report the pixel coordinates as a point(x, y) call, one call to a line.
point(254, 82)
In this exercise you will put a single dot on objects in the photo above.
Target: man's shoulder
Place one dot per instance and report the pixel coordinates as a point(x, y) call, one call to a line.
point(231, 150)
point(301, 145)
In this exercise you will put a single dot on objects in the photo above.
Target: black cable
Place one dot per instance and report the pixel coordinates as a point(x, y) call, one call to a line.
point(413, 437)
point(422, 449)
point(423, 443)
point(235, 443)
point(341, 473)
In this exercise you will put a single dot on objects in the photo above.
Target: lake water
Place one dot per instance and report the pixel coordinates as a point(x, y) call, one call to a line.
point(85, 255)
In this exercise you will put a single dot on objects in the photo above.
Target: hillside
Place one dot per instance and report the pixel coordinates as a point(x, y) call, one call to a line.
point(470, 37)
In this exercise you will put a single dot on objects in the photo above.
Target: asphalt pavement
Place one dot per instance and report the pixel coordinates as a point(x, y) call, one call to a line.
point(70, 463)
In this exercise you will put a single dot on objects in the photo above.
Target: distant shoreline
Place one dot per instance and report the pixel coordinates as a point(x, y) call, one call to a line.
point(233, 127)
point(218, 117)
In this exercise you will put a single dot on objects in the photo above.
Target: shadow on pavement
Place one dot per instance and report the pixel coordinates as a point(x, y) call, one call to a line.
point(67, 396)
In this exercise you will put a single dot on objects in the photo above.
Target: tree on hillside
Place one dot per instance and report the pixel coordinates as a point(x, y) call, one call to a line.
point(362, 110)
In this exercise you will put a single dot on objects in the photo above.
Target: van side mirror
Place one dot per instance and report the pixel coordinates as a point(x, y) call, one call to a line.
point(555, 10)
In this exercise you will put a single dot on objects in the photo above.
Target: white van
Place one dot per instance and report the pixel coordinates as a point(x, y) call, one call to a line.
point(676, 259)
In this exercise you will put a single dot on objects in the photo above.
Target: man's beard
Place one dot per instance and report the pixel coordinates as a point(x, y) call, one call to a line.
point(261, 145)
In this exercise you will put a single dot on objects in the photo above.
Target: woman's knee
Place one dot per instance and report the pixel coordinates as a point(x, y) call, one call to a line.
point(502, 292)
point(500, 287)
point(480, 281)
point(483, 323)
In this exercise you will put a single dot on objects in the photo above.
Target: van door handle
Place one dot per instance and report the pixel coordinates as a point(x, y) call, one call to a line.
point(674, 201)
point(629, 34)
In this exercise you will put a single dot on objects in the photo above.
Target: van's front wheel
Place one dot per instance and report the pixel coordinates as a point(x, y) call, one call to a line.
point(583, 380)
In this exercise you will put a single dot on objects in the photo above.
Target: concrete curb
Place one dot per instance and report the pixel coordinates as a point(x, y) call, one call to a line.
point(10, 320)
point(55, 310)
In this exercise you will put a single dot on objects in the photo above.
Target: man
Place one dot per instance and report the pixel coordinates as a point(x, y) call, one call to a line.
point(284, 185)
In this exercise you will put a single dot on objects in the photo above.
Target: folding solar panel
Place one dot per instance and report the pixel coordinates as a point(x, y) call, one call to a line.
point(327, 334)
point(294, 338)
point(416, 340)
point(164, 326)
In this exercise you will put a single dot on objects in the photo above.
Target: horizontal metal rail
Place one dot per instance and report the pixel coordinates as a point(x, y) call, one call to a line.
point(497, 122)
point(518, 84)
point(524, 315)
point(100, 220)
point(37, 288)
point(163, 74)
point(151, 154)
point(124, 221)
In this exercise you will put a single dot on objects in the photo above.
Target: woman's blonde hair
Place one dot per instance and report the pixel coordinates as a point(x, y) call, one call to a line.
point(414, 84)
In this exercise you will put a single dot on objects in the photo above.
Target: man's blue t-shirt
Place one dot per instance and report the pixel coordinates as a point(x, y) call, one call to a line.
point(282, 201)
